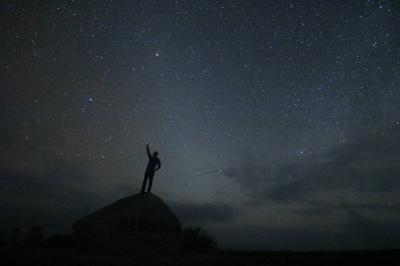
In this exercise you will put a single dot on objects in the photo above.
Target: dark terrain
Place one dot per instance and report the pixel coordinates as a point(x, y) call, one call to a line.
point(14, 255)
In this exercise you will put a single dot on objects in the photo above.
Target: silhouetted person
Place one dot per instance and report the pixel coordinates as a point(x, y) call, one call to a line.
point(153, 165)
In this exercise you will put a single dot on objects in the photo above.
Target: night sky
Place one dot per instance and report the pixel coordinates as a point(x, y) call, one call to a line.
point(277, 122)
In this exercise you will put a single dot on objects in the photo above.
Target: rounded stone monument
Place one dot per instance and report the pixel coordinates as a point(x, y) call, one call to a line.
point(137, 224)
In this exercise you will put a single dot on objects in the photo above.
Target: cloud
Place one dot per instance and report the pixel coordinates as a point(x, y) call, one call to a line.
point(323, 208)
point(252, 176)
point(362, 232)
point(198, 214)
point(368, 166)
point(355, 232)
point(54, 198)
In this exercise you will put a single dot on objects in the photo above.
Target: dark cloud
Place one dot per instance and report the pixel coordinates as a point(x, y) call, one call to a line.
point(355, 232)
point(53, 198)
point(369, 166)
point(324, 208)
point(354, 179)
point(198, 214)
point(253, 176)
point(362, 232)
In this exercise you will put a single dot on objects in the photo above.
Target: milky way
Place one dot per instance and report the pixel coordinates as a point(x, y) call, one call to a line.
point(276, 122)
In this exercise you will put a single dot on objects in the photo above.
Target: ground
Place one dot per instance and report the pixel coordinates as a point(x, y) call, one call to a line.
point(12, 255)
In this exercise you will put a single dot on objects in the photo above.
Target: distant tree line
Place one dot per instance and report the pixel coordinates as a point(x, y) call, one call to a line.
point(194, 239)
point(197, 240)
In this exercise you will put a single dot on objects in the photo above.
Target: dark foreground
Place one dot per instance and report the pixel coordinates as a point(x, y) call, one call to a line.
point(59, 257)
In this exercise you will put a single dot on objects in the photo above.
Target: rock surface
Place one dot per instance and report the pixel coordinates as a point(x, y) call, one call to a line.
point(137, 224)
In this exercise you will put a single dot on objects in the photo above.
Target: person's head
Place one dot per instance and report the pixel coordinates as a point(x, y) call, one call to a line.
point(155, 154)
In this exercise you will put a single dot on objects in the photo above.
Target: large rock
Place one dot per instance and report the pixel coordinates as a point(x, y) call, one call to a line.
point(141, 223)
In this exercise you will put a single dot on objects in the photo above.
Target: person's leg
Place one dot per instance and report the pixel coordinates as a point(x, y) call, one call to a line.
point(150, 181)
point(144, 182)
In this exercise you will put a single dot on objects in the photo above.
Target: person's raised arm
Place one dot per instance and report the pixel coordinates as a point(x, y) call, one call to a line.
point(148, 150)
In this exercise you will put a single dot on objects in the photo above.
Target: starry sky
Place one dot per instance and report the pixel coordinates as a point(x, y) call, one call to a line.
point(277, 122)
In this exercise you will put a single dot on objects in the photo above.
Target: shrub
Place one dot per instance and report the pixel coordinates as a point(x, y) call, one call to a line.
point(197, 240)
